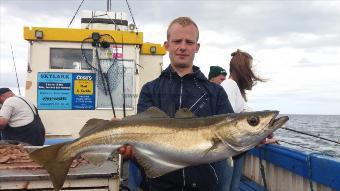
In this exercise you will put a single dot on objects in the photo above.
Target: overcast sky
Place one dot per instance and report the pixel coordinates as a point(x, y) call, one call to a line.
point(295, 44)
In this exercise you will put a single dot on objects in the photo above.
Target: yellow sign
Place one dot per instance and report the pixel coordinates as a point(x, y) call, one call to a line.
point(83, 87)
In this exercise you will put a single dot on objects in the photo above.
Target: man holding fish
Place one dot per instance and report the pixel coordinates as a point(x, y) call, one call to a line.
point(178, 149)
point(183, 85)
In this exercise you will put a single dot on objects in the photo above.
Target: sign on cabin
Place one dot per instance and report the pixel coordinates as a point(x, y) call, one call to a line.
point(66, 91)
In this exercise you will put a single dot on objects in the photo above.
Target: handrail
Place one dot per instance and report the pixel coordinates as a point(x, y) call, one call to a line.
point(319, 168)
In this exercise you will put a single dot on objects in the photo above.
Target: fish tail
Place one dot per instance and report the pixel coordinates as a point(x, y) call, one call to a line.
point(47, 157)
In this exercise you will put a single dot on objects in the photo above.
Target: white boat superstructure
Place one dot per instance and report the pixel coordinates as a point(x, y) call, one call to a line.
point(78, 74)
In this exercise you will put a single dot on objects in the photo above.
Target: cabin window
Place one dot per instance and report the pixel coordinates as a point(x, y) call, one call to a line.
point(67, 58)
point(113, 71)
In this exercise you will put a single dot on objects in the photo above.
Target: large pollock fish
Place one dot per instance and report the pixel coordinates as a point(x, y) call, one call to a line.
point(161, 144)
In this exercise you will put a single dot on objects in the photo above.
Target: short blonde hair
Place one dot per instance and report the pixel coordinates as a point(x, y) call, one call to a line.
point(183, 21)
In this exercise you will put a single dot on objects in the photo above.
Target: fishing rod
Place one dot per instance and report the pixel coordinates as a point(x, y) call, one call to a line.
point(105, 81)
point(15, 68)
point(299, 145)
point(309, 148)
point(316, 136)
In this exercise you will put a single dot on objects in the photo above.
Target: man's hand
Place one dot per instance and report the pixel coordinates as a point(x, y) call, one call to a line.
point(268, 140)
point(3, 122)
point(126, 151)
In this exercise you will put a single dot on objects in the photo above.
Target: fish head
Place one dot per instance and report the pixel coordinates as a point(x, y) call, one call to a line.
point(246, 130)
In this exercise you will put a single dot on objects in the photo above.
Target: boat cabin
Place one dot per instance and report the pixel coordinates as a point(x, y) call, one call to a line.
point(97, 71)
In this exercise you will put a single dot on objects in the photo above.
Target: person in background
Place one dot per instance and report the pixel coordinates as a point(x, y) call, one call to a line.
point(241, 78)
point(19, 119)
point(183, 85)
point(217, 74)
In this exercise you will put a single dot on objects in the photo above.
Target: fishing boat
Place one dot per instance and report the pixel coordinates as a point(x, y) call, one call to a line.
point(97, 72)
point(73, 75)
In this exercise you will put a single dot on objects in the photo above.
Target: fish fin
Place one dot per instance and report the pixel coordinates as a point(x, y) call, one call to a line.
point(152, 112)
point(235, 148)
point(96, 158)
point(184, 113)
point(215, 143)
point(222, 140)
point(93, 125)
point(155, 167)
point(57, 169)
point(240, 148)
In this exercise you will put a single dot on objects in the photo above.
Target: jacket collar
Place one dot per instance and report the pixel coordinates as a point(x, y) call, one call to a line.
point(170, 73)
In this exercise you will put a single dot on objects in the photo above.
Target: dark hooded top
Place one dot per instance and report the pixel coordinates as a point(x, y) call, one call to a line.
point(169, 92)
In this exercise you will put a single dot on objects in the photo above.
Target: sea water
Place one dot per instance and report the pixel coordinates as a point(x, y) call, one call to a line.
point(326, 126)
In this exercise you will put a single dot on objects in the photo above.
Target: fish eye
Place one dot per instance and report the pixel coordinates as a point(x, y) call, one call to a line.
point(253, 120)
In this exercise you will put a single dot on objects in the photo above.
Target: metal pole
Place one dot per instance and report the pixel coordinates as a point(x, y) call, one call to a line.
point(108, 5)
point(124, 112)
point(124, 109)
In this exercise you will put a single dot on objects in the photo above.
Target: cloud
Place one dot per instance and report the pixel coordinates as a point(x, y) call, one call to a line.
point(295, 44)
point(307, 41)
point(9, 80)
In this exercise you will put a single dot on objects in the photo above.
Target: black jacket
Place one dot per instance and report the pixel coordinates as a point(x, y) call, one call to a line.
point(169, 92)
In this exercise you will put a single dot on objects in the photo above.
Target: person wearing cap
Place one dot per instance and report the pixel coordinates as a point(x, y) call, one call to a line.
point(217, 74)
point(19, 119)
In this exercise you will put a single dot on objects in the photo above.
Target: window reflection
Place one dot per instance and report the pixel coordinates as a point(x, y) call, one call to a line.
point(66, 58)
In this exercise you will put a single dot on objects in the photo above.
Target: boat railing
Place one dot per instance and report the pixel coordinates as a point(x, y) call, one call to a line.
point(290, 169)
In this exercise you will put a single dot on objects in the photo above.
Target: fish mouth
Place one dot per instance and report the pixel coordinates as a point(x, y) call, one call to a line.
point(278, 122)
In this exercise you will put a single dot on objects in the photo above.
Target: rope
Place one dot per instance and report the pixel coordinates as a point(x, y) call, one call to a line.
point(309, 165)
point(75, 13)
point(131, 14)
point(263, 174)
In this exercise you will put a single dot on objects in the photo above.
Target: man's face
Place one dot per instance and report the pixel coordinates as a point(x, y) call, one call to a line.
point(182, 45)
point(218, 79)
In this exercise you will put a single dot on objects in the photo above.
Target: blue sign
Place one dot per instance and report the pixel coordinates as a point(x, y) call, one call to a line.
point(83, 91)
point(66, 91)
